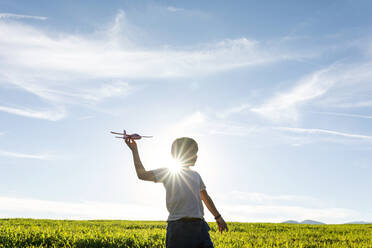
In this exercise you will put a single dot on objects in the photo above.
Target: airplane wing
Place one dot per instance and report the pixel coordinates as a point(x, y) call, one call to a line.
point(116, 133)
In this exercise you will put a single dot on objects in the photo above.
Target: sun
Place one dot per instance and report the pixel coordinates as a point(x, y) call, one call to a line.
point(174, 167)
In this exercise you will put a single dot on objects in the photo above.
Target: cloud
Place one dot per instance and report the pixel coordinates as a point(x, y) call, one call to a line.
point(337, 86)
point(187, 13)
point(261, 198)
point(284, 106)
point(355, 104)
point(280, 213)
point(36, 208)
point(29, 207)
point(87, 68)
point(261, 207)
point(315, 131)
point(99, 57)
point(344, 114)
point(23, 155)
point(107, 91)
point(236, 109)
point(199, 123)
point(17, 16)
point(174, 9)
point(45, 115)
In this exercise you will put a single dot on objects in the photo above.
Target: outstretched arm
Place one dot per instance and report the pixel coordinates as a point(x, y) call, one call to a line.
point(140, 170)
point(212, 208)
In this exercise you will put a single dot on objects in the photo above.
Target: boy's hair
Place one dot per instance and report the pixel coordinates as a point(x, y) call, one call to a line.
point(184, 149)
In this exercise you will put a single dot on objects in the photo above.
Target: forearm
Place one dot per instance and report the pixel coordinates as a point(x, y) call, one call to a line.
point(138, 164)
point(212, 208)
point(210, 205)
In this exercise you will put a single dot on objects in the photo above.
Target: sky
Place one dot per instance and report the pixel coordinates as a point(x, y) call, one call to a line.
point(278, 95)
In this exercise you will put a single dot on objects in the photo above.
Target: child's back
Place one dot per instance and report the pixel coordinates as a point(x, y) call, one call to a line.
point(182, 192)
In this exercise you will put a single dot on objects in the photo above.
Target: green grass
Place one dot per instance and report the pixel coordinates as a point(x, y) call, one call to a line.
point(117, 233)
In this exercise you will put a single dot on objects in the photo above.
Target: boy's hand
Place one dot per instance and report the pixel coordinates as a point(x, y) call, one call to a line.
point(131, 144)
point(221, 225)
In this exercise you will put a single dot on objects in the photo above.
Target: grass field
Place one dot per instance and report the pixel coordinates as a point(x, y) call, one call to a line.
point(117, 233)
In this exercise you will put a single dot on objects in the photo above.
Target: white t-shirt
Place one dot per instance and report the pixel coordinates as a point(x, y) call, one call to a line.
point(182, 192)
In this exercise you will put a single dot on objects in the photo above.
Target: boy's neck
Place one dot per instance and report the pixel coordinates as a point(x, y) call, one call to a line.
point(187, 166)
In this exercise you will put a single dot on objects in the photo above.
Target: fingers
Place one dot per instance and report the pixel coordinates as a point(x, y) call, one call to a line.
point(130, 143)
point(222, 226)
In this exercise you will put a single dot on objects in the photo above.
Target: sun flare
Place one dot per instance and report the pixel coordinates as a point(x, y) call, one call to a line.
point(174, 168)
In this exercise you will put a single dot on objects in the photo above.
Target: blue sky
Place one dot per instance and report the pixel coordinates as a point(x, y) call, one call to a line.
point(278, 96)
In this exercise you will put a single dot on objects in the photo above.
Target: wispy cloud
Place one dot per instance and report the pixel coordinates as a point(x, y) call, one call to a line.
point(107, 91)
point(188, 13)
point(332, 87)
point(26, 156)
point(45, 115)
point(36, 208)
point(99, 57)
point(236, 109)
point(284, 106)
point(17, 16)
point(73, 68)
point(324, 132)
point(174, 9)
point(202, 124)
point(29, 207)
point(344, 114)
point(261, 207)
point(280, 213)
point(338, 103)
point(262, 198)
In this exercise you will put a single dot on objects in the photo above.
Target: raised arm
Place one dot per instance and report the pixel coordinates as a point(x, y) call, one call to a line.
point(140, 170)
point(212, 208)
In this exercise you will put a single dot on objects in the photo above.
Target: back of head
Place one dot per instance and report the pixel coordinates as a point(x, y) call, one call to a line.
point(184, 150)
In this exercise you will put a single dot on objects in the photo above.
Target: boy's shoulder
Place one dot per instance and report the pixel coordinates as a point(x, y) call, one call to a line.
point(161, 174)
point(194, 173)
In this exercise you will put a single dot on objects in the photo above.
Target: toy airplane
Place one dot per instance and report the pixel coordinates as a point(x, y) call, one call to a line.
point(134, 136)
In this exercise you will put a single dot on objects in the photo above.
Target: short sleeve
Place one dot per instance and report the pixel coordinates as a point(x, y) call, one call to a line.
point(202, 185)
point(161, 174)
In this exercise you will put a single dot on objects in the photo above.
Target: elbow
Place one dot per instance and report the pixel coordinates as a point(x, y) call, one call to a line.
point(140, 176)
point(145, 176)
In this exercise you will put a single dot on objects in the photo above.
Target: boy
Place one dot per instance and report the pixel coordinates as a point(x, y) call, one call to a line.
point(185, 191)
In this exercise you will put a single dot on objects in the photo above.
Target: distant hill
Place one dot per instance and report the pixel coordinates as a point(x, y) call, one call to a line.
point(358, 222)
point(291, 222)
point(311, 222)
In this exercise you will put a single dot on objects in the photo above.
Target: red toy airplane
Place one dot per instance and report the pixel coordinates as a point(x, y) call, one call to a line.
point(134, 136)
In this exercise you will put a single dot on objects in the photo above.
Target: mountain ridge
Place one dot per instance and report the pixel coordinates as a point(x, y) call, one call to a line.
point(310, 222)
point(314, 222)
